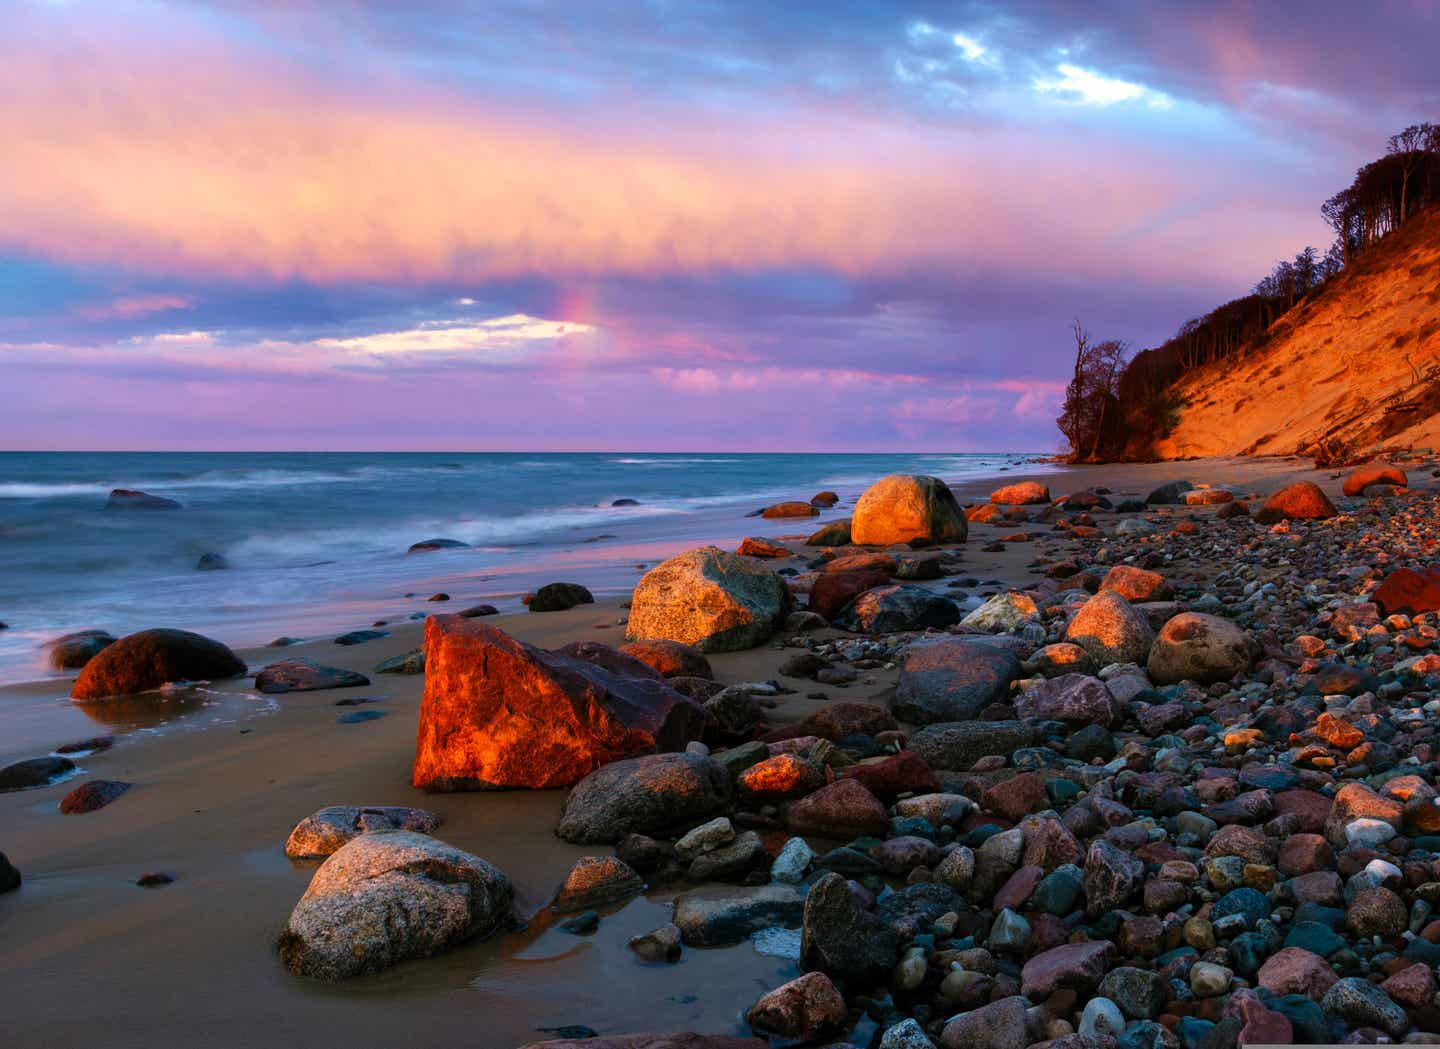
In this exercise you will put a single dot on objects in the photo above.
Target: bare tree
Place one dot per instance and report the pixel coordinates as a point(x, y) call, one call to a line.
point(1409, 148)
point(1093, 390)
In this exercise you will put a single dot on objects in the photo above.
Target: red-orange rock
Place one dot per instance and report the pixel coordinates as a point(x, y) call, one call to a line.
point(1408, 592)
point(753, 546)
point(1338, 733)
point(864, 562)
point(781, 776)
point(1022, 493)
point(832, 591)
point(1301, 501)
point(670, 658)
point(1137, 584)
point(843, 809)
point(983, 514)
point(790, 509)
point(151, 658)
point(500, 713)
point(1362, 477)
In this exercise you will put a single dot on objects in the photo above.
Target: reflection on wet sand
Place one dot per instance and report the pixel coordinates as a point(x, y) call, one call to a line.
point(147, 710)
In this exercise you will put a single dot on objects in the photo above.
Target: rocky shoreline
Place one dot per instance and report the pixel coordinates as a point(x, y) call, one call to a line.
point(1173, 786)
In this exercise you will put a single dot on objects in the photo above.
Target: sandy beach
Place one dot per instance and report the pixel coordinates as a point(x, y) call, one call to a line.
point(92, 959)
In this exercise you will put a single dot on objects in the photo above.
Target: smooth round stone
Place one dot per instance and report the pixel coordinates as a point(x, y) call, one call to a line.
point(1100, 1018)
point(1251, 904)
point(1366, 833)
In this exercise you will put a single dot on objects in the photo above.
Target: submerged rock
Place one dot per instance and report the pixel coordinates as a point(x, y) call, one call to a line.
point(306, 675)
point(428, 545)
point(718, 917)
point(34, 772)
point(595, 881)
point(152, 658)
point(129, 499)
point(73, 651)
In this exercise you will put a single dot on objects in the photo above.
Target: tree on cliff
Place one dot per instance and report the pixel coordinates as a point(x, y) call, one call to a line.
point(1090, 398)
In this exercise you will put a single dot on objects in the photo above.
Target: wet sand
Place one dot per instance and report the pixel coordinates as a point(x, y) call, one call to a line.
point(92, 959)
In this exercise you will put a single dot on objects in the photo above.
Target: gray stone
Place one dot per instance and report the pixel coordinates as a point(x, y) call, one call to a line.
point(952, 679)
point(648, 793)
point(323, 832)
point(718, 917)
point(306, 675)
point(1361, 1003)
point(840, 938)
point(957, 745)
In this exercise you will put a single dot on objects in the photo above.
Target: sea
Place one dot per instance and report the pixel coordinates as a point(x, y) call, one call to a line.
point(317, 543)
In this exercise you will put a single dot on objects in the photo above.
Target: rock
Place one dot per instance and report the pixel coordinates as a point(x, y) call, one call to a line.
point(306, 675)
point(73, 651)
point(412, 662)
point(9, 877)
point(1295, 970)
point(1004, 612)
point(427, 545)
point(807, 1009)
point(1361, 1003)
point(1137, 584)
point(1101, 1018)
point(840, 938)
point(557, 597)
point(1301, 501)
point(998, 1025)
point(1356, 801)
point(475, 611)
point(825, 499)
point(681, 1040)
point(1201, 648)
point(843, 809)
point(1112, 876)
point(35, 772)
point(888, 609)
point(1407, 592)
point(1209, 980)
point(793, 508)
point(1376, 911)
point(889, 777)
point(1111, 630)
point(753, 546)
point(670, 658)
point(658, 945)
point(152, 658)
point(1022, 493)
point(833, 591)
point(595, 881)
point(212, 562)
point(957, 745)
point(907, 1034)
point(719, 917)
point(836, 533)
point(644, 794)
point(906, 507)
point(714, 600)
point(1412, 987)
point(952, 680)
point(610, 659)
point(497, 712)
point(360, 637)
point(793, 859)
point(1362, 477)
point(93, 795)
point(1072, 966)
point(1169, 493)
point(154, 879)
point(1076, 699)
point(1140, 994)
point(781, 776)
point(128, 499)
point(323, 832)
point(625, 502)
point(388, 896)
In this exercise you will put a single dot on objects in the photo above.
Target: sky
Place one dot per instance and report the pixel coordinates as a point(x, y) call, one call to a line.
point(648, 225)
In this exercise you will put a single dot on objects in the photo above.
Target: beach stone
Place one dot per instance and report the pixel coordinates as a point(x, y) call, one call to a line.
point(658, 945)
point(95, 794)
point(412, 662)
point(1101, 1018)
point(306, 675)
point(793, 508)
point(1111, 630)
point(557, 597)
point(806, 1009)
point(1197, 647)
point(952, 680)
point(1112, 876)
point(475, 611)
point(149, 659)
point(841, 938)
point(754, 546)
point(361, 637)
point(843, 809)
point(323, 832)
point(998, 1025)
point(1378, 472)
point(1137, 584)
point(1062, 658)
point(714, 600)
point(833, 591)
point(595, 881)
point(733, 862)
point(497, 712)
point(1005, 613)
point(388, 896)
point(1408, 592)
point(1076, 699)
point(792, 861)
point(1301, 501)
point(781, 776)
point(1071, 966)
point(1140, 994)
point(1412, 987)
point(427, 545)
point(720, 916)
point(1210, 980)
point(670, 658)
point(1133, 527)
point(129, 499)
point(1356, 801)
point(1376, 912)
point(902, 508)
point(1170, 492)
point(1022, 493)
point(1361, 1003)
point(907, 1034)
point(9, 877)
point(889, 777)
point(825, 499)
point(957, 745)
point(1294, 970)
point(73, 651)
point(836, 533)
point(887, 609)
point(212, 562)
point(33, 772)
point(644, 794)
point(608, 657)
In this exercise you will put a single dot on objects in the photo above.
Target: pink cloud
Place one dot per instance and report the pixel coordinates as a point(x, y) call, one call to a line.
point(131, 307)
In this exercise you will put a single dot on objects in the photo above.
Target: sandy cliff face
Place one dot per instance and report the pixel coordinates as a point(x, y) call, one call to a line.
point(1355, 370)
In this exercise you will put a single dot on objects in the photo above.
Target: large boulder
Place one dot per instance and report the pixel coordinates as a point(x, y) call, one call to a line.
point(388, 896)
point(709, 598)
point(1301, 501)
point(902, 508)
point(1022, 493)
point(557, 597)
point(34, 772)
point(1362, 477)
point(952, 679)
point(497, 712)
point(886, 609)
point(1137, 584)
point(1111, 630)
point(1197, 647)
point(1408, 592)
point(145, 661)
point(650, 793)
point(832, 591)
point(840, 938)
point(73, 651)
point(957, 745)
point(325, 832)
point(306, 675)
point(1169, 492)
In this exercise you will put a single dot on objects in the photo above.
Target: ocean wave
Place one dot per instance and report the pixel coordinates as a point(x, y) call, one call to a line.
point(679, 461)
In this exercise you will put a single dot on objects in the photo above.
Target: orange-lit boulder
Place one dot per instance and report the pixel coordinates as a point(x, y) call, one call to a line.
point(151, 658)
point(754, 546)
point(1301, 501)
point(670, 658)
point(902, 508)
point(1022, 493)
point(793, 508)
point(1137, 584)
point(1408, 592)
point(1362, 477)
point(709, 598)
point(500, 713)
